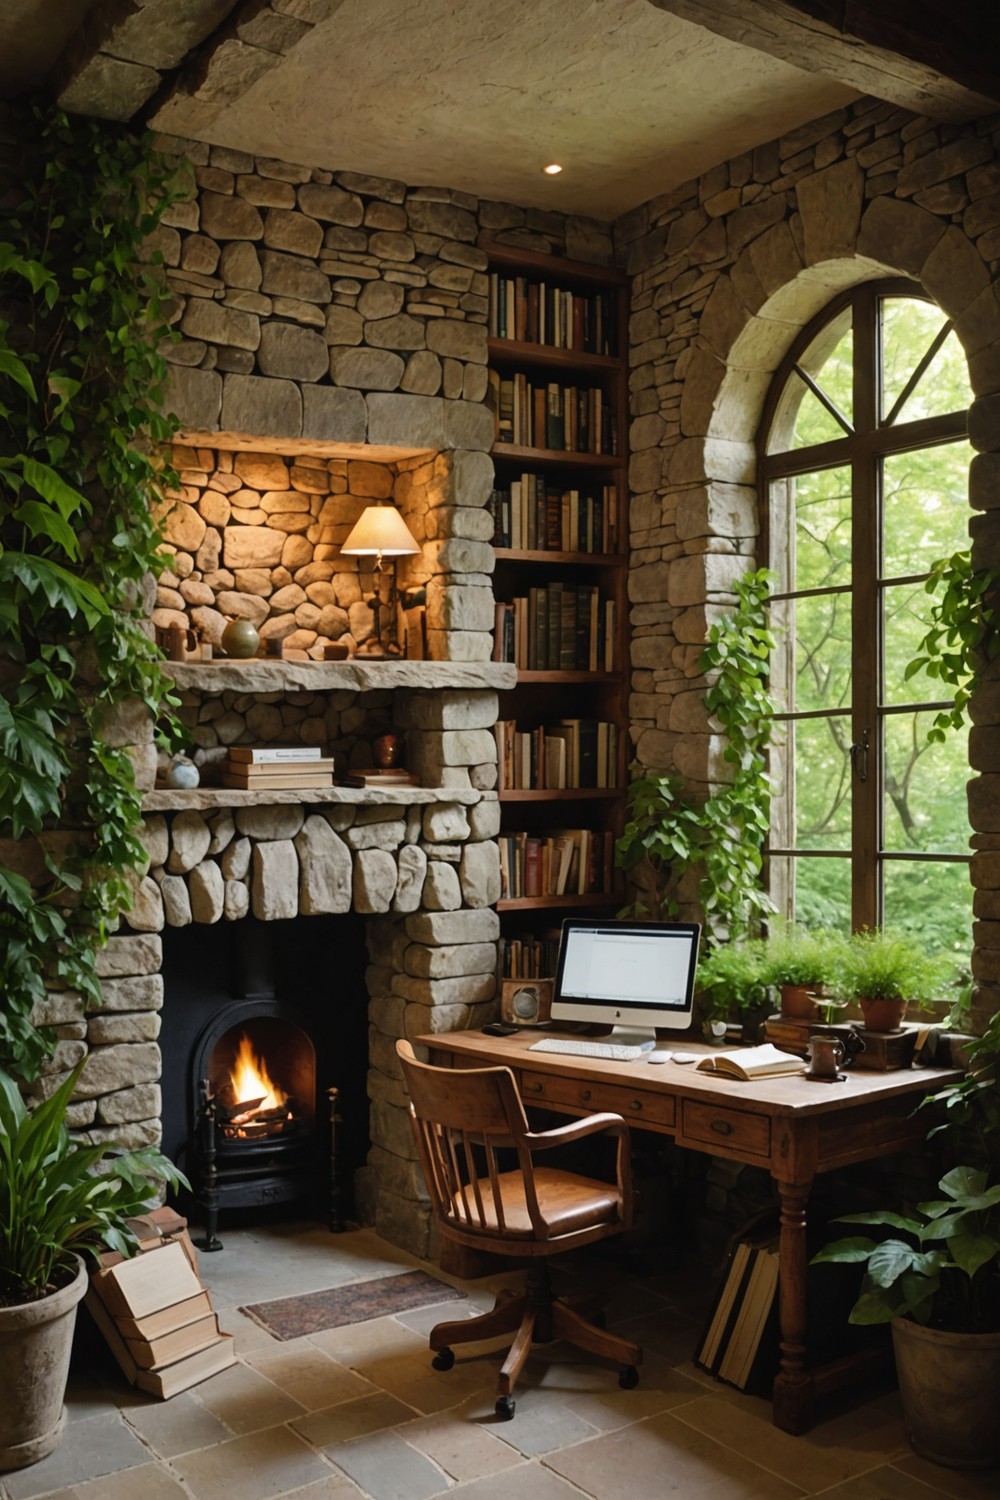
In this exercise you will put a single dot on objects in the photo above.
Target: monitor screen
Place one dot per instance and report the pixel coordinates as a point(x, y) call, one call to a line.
point(626, 974)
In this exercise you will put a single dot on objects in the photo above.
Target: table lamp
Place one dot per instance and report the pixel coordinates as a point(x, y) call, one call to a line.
point(380, 532)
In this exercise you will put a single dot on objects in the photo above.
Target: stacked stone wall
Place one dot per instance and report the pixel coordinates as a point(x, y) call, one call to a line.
point(727, 269)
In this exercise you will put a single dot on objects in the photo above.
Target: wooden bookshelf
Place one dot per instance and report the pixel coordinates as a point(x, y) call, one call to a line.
point(593, 299)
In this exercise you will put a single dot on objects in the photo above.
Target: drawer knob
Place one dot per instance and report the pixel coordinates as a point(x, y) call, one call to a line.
point(635, 1105)
point(535, 1088)
point(586, 1096)
point(722, 1127)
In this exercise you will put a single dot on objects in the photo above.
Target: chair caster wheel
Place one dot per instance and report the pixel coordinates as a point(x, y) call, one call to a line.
point(628, 1377)
point(443, 1360)
point(505, 1407)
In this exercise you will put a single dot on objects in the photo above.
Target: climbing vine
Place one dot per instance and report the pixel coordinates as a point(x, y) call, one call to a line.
point(81, 472)
point(669, 832)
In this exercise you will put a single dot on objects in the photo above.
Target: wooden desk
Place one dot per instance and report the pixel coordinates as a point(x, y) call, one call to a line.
point(789, 1125)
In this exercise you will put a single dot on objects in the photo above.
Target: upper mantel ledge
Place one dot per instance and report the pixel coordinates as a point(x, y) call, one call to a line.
point(256, 675)
point(208, 799)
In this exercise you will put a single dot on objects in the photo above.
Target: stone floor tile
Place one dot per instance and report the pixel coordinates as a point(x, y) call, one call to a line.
point(843, 1445)
point(542, 1424)
point(357, 1343)
point(529, 1482)
point(174, 1426)
point(249, 1335)
point(462, 1448)
point(386, 1468)
point(337, 1487)
point(884, 1483)
point(246, 1401)
point(957, 1484)
point(151, 1482)
point(664, 1458)
point(414, 1380)
point(91, 1447)
point(254, 1467)
point(612, 1407)
point(351, 1419)
point(308, 1375)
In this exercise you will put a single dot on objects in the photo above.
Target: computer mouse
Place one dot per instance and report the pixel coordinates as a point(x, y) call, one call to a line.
point(685, 1057)
point(659, 1057)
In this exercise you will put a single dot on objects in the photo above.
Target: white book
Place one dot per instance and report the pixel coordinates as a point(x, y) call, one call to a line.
point(266, 755)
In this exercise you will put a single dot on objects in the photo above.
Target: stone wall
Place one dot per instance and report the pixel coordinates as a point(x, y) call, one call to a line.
point(726, 270)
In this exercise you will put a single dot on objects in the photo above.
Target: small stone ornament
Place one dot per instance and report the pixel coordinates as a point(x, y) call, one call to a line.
point(182, 773)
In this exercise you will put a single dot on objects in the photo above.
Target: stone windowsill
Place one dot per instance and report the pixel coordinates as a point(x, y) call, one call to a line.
point(205, 798)
point(257, 675)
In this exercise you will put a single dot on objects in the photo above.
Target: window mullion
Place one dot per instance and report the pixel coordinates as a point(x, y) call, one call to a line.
point(866, 669)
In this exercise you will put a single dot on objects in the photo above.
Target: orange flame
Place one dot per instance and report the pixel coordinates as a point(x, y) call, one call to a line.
point(251, 1080)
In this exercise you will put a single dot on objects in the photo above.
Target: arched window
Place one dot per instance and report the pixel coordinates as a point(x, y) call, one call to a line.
point(864, 466)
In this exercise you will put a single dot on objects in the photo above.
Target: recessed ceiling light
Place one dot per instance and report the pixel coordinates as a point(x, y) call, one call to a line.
point(553, 169)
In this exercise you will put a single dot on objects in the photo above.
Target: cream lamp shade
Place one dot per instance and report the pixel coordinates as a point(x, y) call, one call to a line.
point(380, 532)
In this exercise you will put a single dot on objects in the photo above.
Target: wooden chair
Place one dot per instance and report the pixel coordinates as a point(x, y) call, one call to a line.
point(470, 1128)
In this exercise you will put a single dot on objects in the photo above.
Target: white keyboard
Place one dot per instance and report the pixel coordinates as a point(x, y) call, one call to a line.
point(613, 1051)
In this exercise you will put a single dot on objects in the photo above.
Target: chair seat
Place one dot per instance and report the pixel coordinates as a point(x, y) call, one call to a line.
point(568, 1203)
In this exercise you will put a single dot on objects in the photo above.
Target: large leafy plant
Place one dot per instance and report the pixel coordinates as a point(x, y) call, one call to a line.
point(53, 1199)
point(668, 831)
point(81, 383)
point(962, 634)
point(945, 1273)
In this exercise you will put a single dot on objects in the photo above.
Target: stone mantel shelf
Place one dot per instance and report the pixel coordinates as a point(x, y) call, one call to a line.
point(260, 676)
point(205, 798)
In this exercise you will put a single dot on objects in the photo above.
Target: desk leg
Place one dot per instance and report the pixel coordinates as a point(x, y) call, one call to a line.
point(793, 1395)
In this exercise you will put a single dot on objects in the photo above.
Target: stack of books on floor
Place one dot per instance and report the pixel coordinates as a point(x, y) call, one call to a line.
point(276, 767)
point(740, 1342)
point(154, 1313)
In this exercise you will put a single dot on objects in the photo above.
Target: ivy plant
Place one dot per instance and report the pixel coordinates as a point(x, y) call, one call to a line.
point(669, 832)
point(962, 634)
point(82, 319)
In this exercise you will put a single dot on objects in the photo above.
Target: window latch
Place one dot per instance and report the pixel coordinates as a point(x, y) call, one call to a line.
point(859, 756)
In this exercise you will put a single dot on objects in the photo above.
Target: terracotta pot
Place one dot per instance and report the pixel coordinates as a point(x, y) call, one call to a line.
point(948, 1384)
point(35, 1343)
point(882, 1015)
point(799, 1001)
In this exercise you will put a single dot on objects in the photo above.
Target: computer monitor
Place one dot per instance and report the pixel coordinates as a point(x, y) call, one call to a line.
point(637, 977)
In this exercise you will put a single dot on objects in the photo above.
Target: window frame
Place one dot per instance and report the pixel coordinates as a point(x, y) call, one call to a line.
point(861, 453)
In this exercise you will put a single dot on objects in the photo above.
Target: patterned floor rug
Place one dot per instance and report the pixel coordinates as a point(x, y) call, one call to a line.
point(293, 1317)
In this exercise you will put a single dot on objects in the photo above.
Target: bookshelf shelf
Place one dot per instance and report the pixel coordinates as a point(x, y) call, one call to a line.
point(576, 501)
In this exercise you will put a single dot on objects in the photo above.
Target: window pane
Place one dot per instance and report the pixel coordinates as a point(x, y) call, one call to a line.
point(925, 801)
point(815, 892)
point(817, 631)
point(908, 326)
point(942, 388)
point(813, 810)
point(822, 536)
point(930, 902)
point(801, 419)
point(907, 609)
point(925, 507)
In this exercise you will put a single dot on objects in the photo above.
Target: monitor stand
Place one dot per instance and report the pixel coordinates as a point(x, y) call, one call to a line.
point(631, 1036)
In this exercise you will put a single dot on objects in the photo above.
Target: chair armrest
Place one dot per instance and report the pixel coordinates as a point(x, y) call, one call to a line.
point(544, 1140)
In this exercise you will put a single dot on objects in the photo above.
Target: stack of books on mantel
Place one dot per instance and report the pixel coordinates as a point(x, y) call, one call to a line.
point(377, 776)
point(154, 1313)
point(271, 768)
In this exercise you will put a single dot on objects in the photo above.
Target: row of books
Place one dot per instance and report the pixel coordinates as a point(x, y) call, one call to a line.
point(559, 418)
point(561, 862)
point(154, 1313)
point(527, 956)
point(558, 627)
point(536, 516)
point(535, 313)
point(740, 1342)
point(553, 757)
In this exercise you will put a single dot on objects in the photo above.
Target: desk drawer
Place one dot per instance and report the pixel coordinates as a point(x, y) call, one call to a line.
point(719, 1125)
point(657, 1110)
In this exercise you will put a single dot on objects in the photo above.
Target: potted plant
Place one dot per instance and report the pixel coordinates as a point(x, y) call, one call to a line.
point(732, 983)
point(939, 1287)
point(884, 972)
point(801, 964)
point(54, 1207)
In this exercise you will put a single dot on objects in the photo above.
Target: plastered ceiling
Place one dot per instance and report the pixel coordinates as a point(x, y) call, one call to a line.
point(480, 94)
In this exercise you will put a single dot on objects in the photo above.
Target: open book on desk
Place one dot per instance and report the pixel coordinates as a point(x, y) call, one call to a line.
point(765, 1061)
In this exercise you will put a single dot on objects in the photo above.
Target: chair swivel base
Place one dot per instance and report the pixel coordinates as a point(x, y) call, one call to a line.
point(535, 1317)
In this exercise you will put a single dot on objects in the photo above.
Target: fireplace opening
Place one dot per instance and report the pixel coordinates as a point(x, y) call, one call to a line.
point(265, 1058)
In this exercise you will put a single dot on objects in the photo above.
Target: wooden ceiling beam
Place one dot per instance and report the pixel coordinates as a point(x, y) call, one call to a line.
point(937, 60)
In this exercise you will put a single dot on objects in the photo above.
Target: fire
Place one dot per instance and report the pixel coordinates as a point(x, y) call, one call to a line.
point(251, 1080)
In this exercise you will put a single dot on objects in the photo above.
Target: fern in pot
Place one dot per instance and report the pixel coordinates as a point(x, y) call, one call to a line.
point(60, 1200)
point(885, 973)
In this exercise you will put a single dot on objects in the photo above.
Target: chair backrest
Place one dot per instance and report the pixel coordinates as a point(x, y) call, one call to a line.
point(462, 1119)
